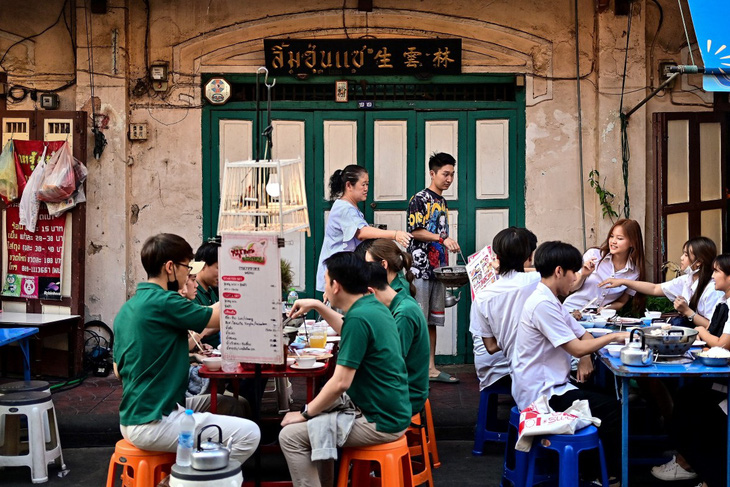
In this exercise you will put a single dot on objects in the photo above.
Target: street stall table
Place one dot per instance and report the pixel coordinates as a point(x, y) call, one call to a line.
point(661, 370)
point(50, 324)
point(248, 371)
point(20, 335)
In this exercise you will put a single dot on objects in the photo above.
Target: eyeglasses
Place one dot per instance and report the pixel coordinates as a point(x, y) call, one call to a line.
point(190, 268)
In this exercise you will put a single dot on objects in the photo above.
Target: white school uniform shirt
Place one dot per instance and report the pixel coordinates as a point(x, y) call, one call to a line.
point(686, 287)
point(496, 309)
point(604, 270)
point(539, 364)
point(495, 312)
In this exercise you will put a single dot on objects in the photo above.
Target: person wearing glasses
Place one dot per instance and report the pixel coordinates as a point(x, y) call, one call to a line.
point(151, 357)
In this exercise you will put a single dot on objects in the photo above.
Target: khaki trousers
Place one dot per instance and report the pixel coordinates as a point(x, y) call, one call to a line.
point(294, 442)
point(162, 435)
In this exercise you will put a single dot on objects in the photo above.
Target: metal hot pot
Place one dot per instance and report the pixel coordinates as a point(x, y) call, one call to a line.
point(675, 340)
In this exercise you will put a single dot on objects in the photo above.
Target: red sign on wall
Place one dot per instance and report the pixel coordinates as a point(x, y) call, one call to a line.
point(35, 259)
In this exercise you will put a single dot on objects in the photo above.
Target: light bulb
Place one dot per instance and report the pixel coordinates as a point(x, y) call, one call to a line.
point(273, 188)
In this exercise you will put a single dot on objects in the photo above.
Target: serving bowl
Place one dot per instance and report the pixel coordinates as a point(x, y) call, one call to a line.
point(614, 349)
point(213, 363)
point(712, 361)
point(654, 315)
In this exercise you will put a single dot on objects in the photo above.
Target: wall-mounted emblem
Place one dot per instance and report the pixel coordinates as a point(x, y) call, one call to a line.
point(217, 91)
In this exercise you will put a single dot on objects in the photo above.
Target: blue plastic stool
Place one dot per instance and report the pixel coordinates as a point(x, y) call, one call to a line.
point(568, 448)
point(515, 462)
point(488, 406)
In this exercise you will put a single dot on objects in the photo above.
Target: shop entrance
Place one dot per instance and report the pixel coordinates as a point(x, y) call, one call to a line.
point(393, 142)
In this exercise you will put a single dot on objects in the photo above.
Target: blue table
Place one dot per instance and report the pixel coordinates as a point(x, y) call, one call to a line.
point(626, 373)
point(20, 335)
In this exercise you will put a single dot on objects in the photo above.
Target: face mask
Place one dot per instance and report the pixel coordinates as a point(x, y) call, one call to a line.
point(691, 272)
point(173, 285)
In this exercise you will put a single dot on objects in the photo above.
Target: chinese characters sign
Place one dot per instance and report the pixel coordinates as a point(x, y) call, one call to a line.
point(35, 259)
point(363, 56)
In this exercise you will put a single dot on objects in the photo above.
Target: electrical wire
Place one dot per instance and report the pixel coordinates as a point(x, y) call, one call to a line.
point(686, 35)
point(58, 19)
point(580, 130)
point(625, 149)
point(653, 41)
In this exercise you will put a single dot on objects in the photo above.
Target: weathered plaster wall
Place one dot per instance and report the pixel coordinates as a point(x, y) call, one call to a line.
point(140, 188)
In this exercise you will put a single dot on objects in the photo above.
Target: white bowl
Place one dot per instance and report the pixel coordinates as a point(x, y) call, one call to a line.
point(212, 363)
point(599, 332)
point(599, 322)
point(653, 314)
point(614, 349)
point(306, 362)
point(608, 313)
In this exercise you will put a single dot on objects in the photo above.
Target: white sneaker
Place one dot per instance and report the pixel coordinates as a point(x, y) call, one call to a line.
point(672, 471)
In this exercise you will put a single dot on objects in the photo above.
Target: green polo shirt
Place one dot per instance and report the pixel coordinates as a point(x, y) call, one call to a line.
point(208, 298)
point(151, 351)
point(370, 344)
point(413, 331)
point(400, 283)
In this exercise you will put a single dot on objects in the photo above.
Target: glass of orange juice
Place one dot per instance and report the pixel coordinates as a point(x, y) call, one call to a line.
point(318, 335)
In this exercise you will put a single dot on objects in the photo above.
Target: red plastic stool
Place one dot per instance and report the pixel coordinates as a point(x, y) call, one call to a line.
point(418, 447)
point(431, 435)
point(140, 468)
point(393, 459)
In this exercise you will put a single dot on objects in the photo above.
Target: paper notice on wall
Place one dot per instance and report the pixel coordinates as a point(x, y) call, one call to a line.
point(250, 295)
point(481, 269)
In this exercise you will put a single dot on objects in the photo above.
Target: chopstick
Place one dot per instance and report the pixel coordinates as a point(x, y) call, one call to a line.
point(197, 343)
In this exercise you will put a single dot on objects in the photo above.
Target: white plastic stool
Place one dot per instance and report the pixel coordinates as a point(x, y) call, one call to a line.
point(35, 452)
point(25, 386)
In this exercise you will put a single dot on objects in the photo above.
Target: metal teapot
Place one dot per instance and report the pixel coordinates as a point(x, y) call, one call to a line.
point(451, 300)
point(211, 455)
point(636, 353)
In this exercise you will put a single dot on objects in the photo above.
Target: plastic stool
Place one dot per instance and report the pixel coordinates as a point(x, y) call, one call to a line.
point(431, 435)
point(393, 458)
point(515, 462)
point(568, 448)
point(418, 447)
point(35, 406)
point(140, 468)
point(24, 386)
point(488, 410)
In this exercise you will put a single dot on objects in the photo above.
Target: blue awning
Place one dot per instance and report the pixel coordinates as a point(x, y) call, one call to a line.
point(709, 18)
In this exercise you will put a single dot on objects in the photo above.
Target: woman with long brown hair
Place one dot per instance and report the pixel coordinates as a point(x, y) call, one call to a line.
point(396, 262)
point(620, 255)
point(693, 293)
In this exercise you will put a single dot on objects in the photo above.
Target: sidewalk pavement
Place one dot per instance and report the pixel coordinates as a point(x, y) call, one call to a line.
point(88, 418)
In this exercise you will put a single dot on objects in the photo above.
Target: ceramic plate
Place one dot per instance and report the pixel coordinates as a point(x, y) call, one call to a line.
point(597, 332)
point(698, 343)
point(317, 365)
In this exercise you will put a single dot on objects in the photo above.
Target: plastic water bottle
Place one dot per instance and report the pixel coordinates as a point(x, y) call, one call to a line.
point(291, 298)
point(185, 439)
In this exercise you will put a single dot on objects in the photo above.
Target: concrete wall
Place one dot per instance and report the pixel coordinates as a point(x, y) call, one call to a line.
point(140, 188)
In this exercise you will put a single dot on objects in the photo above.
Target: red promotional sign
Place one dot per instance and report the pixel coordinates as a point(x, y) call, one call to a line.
point(34, 259)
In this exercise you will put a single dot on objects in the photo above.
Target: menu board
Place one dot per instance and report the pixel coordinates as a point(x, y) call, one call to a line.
point(250, 296)
point(480, 269)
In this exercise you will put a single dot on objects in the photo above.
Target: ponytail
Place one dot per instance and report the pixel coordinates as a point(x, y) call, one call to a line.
point(339, 179)
point(397, 259)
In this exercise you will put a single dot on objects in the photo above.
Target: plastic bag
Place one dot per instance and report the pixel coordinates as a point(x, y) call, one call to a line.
point(29, 201)
point(539, 419)
point(79, 196)
point(8, 176)
point(59, 182)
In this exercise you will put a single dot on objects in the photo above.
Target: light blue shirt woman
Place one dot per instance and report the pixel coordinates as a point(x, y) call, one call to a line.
point(346, 226)
point(340, 234)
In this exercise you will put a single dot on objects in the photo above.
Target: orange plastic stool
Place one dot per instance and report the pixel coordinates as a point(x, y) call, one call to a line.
point(140, 468)
point(393, 459)
point(431, 435)
point(418, 447)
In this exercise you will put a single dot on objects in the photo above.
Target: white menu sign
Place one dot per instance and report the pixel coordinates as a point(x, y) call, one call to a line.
point(249, 273)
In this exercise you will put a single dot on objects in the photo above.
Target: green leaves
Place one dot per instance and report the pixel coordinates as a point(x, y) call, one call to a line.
point(605, 197)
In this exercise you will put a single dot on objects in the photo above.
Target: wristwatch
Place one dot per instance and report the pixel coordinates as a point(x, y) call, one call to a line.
point(304, 413)
point(691, 317)
point(441, 240)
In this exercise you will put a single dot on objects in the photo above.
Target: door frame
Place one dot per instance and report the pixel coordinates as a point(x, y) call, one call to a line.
point(464, 110)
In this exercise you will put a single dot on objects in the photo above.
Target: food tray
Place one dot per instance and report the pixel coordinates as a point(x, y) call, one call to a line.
point(452, 276)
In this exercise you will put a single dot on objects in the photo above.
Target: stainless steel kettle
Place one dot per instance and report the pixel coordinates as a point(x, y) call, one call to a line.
point(211, 455)
point(451, 300)
point(636, 353)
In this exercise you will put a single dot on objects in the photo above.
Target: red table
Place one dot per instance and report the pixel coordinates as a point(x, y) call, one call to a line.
point(248, 371)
